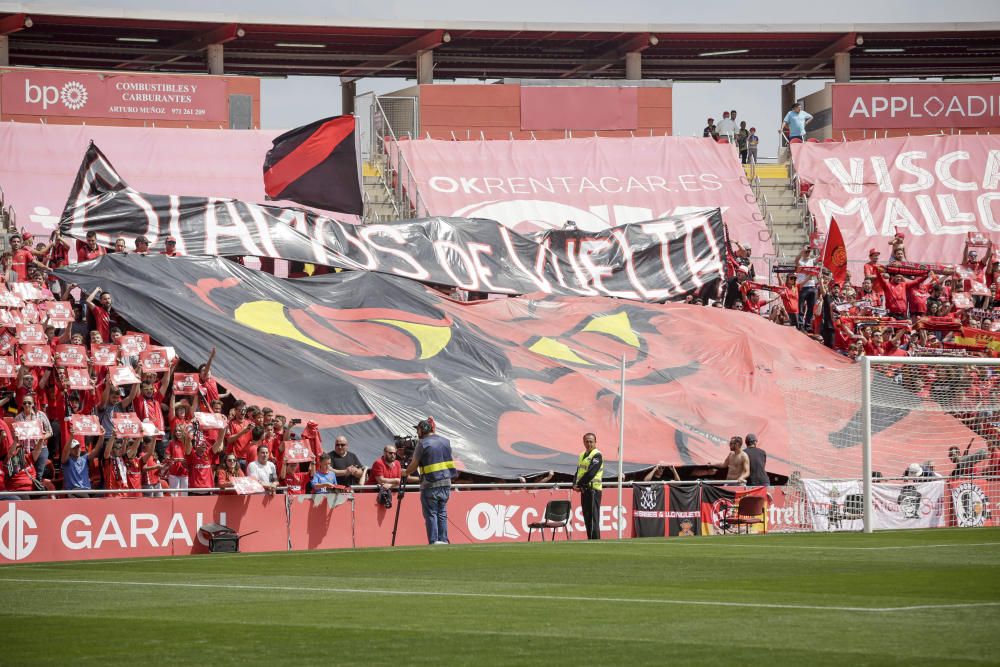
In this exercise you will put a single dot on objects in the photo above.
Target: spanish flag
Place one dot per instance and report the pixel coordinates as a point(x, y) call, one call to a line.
point(970, 336)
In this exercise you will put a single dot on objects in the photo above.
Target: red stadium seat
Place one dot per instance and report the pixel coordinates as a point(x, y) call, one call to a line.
point(829, 140)
point(796, 140)
point(812, 140)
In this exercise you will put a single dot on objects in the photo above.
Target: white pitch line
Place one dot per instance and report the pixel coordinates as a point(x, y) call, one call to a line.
point(499, 596)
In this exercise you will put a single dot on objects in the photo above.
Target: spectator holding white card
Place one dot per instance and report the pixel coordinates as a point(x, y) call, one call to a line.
point(114, 401)
point(39, 448)
point(264, 470)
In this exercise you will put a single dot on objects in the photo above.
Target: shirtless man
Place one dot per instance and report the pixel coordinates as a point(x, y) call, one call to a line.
point(737, 464)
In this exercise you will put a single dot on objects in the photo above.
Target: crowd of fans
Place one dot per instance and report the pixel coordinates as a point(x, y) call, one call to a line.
point(79, 418)
point(170, 429)
point(896, 307)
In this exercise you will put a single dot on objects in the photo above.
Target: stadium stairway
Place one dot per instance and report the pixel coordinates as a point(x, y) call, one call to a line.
point(380, 205)
point(786, 214)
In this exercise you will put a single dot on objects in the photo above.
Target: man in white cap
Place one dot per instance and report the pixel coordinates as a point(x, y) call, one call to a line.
point(75, 468)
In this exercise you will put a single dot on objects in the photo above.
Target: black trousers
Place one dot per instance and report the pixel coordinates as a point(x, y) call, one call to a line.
point(590, 501)
point(807, 303)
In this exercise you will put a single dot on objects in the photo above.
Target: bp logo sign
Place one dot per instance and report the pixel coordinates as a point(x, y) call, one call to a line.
point(16, 540)
point(972, 505)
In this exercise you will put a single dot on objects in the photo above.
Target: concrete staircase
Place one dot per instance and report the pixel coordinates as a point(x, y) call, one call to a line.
point(787, 228)
point(379, 203)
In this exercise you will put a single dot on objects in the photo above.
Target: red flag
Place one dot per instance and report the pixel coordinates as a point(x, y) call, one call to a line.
point(835, 253)
point(316, 165)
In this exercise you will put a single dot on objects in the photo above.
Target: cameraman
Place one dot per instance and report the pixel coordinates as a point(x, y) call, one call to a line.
point(437, 468)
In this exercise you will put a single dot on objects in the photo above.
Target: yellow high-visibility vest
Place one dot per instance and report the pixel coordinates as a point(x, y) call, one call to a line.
point(584, 464)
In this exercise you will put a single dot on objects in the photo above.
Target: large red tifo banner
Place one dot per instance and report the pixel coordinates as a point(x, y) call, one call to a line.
point(933, 189)
point(915, 105)
point(82, 94)
point(597, 182)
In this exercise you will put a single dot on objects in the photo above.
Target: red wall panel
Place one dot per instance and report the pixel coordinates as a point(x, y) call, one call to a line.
point(579, 108)
point(495, 111)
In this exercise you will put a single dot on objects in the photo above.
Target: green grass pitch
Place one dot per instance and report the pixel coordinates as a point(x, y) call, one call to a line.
point(912, 597)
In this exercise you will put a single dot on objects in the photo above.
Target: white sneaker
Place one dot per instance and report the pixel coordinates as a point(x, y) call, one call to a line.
point(440, 542)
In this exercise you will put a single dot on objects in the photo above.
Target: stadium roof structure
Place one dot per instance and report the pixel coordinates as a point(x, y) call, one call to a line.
point(137, 36)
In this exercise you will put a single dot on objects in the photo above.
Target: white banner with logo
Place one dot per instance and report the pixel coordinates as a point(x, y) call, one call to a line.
point(839, 505)
point(919, 504)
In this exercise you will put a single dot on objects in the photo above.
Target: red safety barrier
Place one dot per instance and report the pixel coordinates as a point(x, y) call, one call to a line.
point(85, 529)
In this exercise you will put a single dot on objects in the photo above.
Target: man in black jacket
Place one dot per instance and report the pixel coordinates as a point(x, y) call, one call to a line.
point(758, 462)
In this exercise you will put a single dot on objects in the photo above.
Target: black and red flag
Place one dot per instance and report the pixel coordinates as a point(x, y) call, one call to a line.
point(316, 165)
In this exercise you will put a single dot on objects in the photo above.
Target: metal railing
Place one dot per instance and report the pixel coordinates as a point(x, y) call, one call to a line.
point(414, 488)
point(370, 215)
point(396, 174)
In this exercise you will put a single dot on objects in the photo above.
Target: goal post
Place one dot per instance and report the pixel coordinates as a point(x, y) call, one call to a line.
point(871, 445)
point(954, 398)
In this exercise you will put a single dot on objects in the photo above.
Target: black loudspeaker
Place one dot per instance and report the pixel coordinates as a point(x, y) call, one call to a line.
point(221, 539)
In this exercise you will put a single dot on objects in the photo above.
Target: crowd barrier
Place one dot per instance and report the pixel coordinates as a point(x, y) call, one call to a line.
point(46, 530)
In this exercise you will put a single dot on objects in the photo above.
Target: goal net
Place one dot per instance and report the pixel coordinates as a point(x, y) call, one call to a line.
point(914, 425)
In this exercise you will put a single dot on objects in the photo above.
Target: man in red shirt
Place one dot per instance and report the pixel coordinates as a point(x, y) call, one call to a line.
point(171, 247)
point(977, 267)
point(87, 250)
point(208, 390)
point(238, 432)
point(22, 257)
point(176, 460)
point(387, 470)
point(151, 468)
point(101, 312)
point(872, 269)
point(895, 289)
point(199, 457)
point(115, 467)
point(790, 298)
point(149, 403)
point(917, 296)
point(294, 481)
point(869, 294)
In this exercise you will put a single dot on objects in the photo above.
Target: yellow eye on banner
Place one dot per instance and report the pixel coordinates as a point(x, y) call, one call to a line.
point(269, 317)
point(617, 326)
point(432, 339)
point(547, 347)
